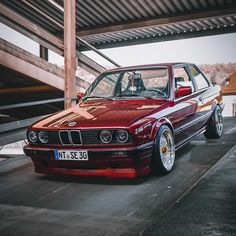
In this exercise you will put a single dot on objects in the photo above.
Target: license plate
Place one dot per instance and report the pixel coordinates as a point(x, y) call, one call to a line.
point(71, 155)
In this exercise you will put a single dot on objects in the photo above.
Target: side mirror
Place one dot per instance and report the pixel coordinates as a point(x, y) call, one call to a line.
point(183, 91)
point(79, 96)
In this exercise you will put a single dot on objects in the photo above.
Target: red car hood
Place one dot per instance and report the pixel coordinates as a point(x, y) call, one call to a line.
point(101, 114)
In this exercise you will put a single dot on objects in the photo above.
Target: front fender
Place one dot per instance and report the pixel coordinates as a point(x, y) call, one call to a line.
point(158, 124)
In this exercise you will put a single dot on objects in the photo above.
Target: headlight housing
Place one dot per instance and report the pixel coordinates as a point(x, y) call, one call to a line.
point(106, 136)
point(32, 136)
point(43, 136)
point(122, 136)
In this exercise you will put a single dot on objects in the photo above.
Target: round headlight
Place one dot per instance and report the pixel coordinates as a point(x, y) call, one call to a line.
point(32, 136)
point(106, 136)
point(43, 137)
point(122, 136)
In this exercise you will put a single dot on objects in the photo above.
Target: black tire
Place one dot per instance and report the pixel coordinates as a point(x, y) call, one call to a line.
point(164, 150)
point(214, 128)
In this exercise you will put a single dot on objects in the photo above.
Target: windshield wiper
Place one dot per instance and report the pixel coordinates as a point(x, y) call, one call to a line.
point(134, 95)
point(96, 97)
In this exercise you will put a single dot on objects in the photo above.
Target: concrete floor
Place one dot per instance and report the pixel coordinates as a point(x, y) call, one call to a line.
point(196, 198)
point(207, 209)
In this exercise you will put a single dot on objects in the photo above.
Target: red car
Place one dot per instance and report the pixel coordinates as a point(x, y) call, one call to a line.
point(129, 122)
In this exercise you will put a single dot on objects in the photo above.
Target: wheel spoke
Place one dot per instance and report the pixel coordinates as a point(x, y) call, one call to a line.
point(167, 153)
point(219, 122)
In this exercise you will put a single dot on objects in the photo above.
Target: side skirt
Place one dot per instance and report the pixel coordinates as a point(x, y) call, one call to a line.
point(187, 140)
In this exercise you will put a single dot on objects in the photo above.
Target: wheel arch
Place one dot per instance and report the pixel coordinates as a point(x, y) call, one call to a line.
point(214, 129)
point(157, 165)
point(215, 103)
point(158, 124)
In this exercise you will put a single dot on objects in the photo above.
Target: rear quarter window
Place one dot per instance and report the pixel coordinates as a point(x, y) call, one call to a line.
point(199, 78)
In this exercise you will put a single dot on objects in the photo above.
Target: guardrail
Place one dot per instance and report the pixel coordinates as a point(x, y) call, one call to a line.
point(16, 130)
point(27, 104)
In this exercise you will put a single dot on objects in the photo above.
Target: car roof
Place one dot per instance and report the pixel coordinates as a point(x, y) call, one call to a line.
point(170, 64)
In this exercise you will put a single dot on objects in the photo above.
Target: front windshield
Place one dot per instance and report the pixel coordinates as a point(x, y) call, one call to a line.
point(148, 83)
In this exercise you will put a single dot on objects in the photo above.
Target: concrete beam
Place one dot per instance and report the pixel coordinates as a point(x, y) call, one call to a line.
point(157, 22)
point(21, 54)
point(98, 52)
point(29, 29)
point(43, 52)
point(28, 69)
point(89, 65)
point(43, 37)
point(157, 38)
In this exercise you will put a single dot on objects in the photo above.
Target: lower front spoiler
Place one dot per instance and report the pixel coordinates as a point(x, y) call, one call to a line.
point(112, 173)
point(108, 163)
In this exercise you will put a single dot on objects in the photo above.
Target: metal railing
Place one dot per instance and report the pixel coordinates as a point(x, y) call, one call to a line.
point(15, 131)
point(27, 104)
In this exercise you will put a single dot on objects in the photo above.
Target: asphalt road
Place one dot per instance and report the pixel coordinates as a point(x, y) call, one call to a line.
point(33, 204)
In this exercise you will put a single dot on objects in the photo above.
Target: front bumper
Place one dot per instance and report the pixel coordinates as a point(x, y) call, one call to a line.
point(126, 163)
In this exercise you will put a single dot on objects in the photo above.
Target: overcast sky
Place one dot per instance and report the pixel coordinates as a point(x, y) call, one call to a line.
point(209, 50)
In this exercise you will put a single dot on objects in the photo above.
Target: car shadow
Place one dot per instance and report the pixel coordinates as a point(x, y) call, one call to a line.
point(183, 150)
point(95, 179)
point(112, 181)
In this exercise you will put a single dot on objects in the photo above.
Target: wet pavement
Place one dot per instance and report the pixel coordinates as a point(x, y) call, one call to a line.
point(196, 198)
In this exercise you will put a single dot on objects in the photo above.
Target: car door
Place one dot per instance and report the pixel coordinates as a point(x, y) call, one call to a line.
point(205, 95)
point(186, 106)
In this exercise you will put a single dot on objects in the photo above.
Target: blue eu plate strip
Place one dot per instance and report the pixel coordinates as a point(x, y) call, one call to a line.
point(56, 154)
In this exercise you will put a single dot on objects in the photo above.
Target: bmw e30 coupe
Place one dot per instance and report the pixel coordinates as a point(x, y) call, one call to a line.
point(129, 122)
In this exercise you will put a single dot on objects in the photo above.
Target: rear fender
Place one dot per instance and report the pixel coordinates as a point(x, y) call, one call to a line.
point(215, 104)
point(218, 99)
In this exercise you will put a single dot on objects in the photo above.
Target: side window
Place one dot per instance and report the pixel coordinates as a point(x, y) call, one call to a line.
point(200, 80)
point(181, 78)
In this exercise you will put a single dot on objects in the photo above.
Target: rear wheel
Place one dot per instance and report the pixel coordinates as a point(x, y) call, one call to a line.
point(215, 125)
point(163, 157)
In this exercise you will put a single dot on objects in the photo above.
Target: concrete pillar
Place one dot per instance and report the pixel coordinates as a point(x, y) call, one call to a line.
point(70, 52)
point(43, 52)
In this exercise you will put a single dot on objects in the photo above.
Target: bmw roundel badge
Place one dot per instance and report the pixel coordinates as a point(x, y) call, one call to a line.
point(72, 124)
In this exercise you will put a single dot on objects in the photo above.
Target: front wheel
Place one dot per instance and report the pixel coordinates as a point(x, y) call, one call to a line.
point(215, 125)
point(163, 157)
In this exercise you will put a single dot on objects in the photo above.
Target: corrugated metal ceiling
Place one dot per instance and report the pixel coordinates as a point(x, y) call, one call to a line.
point(93, 15)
